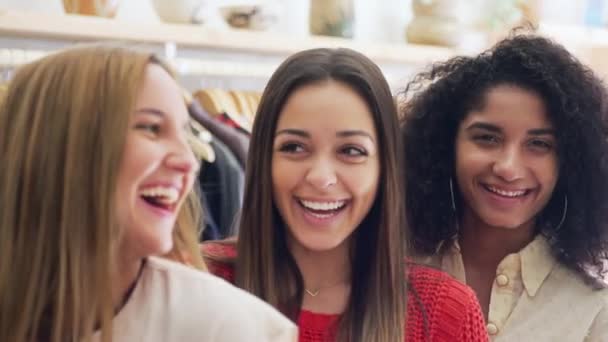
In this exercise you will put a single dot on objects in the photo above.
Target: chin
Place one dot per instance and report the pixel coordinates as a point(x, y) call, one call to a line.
point(159, 245)
point(318, 245)
point(504, 223)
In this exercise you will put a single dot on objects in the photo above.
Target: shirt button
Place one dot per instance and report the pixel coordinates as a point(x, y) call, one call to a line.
point(492, 329)
point(502, 280)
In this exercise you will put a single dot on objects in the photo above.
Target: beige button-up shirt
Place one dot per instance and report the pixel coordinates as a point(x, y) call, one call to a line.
point(534, 298)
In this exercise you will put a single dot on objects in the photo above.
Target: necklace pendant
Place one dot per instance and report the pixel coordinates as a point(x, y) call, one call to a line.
point(312, 293)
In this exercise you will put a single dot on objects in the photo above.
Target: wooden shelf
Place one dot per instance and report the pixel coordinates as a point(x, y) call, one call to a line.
point(240, 53)
point(67, 27)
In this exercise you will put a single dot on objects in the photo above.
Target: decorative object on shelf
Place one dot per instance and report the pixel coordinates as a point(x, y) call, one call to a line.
point(435, 22)
point(180, 11)
point(101, 8)
point(448, 23)
point(503, 15)
point(332, 18)
point(256, 17)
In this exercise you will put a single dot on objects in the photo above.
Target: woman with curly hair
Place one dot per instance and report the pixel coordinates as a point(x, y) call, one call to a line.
point(507, 186)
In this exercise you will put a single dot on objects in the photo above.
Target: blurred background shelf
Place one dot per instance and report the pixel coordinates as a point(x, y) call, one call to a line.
point(196, 50)
point(589, 44)
point(211, 57)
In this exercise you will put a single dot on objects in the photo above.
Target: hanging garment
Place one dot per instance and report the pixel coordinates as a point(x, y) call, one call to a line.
point(222, 184)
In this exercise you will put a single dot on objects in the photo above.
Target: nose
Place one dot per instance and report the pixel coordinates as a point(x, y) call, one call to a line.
point(509, 165)
point(181, 157)
point(321, 174)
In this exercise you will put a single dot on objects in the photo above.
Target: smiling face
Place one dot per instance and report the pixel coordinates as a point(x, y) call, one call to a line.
point(506, 160)
point(325, 167)
point(157, 169)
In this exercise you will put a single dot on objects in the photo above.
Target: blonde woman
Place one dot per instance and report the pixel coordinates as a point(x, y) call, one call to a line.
point(95, 170)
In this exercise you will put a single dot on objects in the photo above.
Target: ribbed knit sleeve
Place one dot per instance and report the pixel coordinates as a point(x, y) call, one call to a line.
point(452, 308)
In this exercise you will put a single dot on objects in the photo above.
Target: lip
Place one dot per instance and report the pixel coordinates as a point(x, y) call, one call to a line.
point(505, 202)
point(317, 221)
point(174, 185)
point(162, 213)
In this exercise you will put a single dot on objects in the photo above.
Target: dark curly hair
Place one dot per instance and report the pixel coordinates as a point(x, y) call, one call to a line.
point(437, 100)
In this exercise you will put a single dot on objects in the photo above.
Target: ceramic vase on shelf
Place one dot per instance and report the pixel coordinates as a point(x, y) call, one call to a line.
point(101, 8)
point(180, 11)
point(435, 22)
point(332, 18)
point(449, 23)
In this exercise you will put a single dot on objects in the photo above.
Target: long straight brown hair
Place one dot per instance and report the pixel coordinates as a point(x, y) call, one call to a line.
point(63, 125)
point(377, 306)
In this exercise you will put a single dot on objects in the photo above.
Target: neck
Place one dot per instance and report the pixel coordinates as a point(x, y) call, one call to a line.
point(494, 243)
point(125, 279)
point(323, 269)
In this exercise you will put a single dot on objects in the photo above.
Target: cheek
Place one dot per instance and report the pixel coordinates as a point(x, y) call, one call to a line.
point(470, 161)
point(547, 172)
point(363, 180)
point(284, 178)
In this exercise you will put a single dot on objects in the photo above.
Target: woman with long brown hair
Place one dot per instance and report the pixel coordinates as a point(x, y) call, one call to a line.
point(321, 235)
point(96, 168)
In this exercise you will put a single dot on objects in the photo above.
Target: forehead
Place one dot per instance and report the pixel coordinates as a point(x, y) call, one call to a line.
point(511, 107)
point(160, 91)
point(326, 106)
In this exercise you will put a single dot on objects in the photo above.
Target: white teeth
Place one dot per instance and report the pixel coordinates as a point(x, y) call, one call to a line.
point(163, 195)
point(322, 205)
point(506, 193)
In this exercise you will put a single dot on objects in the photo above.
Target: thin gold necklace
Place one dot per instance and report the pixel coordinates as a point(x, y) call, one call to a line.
point(314, 293)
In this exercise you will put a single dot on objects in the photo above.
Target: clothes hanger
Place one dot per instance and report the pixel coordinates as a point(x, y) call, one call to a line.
point(230, 109)
point(201, 138)
point(254, 101)
point(208, 101)
point(242, 104)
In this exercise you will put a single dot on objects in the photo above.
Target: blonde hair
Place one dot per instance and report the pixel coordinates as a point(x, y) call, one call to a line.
point(62, 133)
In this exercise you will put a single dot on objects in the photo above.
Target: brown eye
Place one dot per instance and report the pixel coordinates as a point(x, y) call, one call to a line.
point(486, 138)
point(541, 145)
point(150, 128)
point(291, 148)
point(353, 151)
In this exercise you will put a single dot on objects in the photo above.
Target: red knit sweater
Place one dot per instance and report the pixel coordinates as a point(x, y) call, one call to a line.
point(451, 308)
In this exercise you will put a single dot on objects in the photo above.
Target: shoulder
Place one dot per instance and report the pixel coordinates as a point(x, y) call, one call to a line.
point(219, 249)
point(220, 258)
point(587, 302)
point(599, 328)
point(200, 301)
point(450, 308)
point(428, 282)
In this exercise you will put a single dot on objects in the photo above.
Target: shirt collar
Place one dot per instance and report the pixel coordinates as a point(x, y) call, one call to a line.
point(536, 264)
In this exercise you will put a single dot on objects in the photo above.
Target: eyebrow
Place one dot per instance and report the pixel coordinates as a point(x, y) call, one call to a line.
point(291, 131)
point(352, 133)
point(152, 111)
point(157, 112)
point(496, 129)
point(542, 131)
point(484, 126)
point(340, 134)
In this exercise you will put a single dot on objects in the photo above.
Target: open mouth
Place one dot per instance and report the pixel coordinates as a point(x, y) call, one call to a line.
point(323, 210)
point(164, 198)
point(510, 194)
